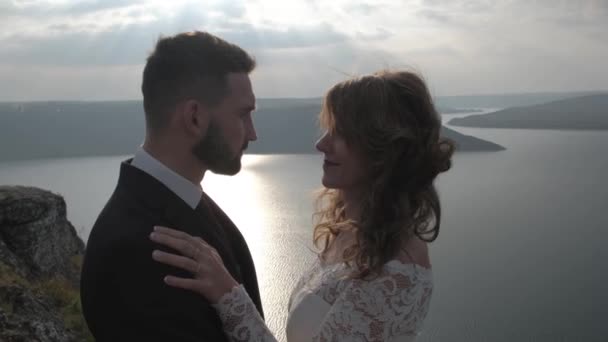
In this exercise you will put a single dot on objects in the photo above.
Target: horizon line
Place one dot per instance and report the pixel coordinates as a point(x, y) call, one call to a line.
point(589, 92)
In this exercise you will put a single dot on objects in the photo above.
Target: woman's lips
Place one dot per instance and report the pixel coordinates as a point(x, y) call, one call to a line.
point(329, 163)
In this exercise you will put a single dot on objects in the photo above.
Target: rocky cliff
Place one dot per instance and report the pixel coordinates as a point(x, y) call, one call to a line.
point(40, 258)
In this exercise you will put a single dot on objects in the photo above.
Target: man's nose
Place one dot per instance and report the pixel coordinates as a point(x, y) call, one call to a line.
point(251, 134)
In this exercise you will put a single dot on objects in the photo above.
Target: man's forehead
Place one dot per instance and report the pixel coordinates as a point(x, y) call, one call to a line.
point(241, 89)
point(239, 82)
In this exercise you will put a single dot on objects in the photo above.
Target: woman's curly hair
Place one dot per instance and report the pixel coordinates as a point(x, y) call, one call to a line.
point(389, 118)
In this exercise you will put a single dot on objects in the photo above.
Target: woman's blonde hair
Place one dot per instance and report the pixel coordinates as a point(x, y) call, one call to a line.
point(390, 120)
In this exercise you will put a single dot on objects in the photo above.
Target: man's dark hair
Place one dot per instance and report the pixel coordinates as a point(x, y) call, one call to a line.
point(189, 65)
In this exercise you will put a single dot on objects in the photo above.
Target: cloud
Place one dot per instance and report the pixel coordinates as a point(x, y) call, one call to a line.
point(85, 7)
point(46, 9)
point(361, 8)
point(115, 34)
point(310, 71)
point(379, 33)
point(555, 13)
point(130, 44)
point(302, 47)
point(293, 37)
point(124, 37)
point(436, 16)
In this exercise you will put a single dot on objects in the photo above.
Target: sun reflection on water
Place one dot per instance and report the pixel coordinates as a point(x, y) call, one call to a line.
point(270, 202)
point(242, 197)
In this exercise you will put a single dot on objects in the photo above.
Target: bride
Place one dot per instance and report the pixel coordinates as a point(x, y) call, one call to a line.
point(378, 211)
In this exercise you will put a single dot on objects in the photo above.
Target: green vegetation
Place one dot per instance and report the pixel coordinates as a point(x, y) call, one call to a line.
point(9, 277)
point(58, 291)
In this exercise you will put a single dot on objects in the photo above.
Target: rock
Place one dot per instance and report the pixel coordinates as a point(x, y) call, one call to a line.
point(40, 256)
point(31, 319)
point(10, 259)
point(35, 229)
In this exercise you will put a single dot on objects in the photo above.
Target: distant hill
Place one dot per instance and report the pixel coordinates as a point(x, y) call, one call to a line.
point(470, 103)
point(68, 129)
point(505, 100)
point(586, 112)
point(449, 110)
point(34, 130)
point(469, 143)
point(291, 127)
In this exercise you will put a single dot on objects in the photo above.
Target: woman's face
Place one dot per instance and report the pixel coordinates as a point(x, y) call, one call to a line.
point(343, 167)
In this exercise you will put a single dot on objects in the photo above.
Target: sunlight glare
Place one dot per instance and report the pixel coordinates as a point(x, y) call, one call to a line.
point(269, 13)
point(242, 198)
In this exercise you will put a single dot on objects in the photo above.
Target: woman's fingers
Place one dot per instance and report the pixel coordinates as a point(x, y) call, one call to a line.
point(202, 242)
point(176, 261)
point(172, 232)
point(179, 234)
point(182, 283)
point(211, 279)
point(185, 243)
point(186, 247)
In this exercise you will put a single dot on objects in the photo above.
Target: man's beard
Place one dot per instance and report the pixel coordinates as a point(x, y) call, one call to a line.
point(215, 153)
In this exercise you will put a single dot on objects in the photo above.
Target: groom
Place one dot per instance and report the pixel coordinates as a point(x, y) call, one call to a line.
point(198, 101)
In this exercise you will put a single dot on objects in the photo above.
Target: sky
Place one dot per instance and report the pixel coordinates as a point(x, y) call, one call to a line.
point(96, 49)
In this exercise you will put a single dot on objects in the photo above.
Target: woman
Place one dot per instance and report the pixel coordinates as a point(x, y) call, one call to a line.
point(378, 210)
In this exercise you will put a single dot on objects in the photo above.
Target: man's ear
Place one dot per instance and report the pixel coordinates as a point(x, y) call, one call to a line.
point(195, 118)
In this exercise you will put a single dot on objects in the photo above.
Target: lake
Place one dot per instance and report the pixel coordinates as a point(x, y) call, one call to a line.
point(522, 254)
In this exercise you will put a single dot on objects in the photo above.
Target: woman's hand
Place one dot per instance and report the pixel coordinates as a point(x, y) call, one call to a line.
point(211, 279)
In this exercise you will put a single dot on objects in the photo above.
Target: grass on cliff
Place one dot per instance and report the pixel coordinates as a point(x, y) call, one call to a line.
point(9, 278)
point(58, 290)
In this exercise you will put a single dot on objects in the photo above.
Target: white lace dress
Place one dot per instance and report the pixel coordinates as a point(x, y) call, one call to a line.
point(326, 306)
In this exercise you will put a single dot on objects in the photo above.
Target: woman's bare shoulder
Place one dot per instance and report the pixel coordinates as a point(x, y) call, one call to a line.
point(415, 251)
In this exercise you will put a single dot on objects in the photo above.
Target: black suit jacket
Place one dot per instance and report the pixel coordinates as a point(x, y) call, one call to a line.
point(122, 291)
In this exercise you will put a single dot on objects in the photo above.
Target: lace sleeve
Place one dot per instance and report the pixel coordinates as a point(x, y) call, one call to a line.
point(240, 318)
point(391, 306)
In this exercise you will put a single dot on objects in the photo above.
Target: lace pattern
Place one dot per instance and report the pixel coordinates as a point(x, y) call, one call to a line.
point(240, 318)
point(390, 306)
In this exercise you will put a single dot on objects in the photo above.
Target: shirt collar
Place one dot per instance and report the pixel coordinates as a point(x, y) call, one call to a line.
point(186, 190)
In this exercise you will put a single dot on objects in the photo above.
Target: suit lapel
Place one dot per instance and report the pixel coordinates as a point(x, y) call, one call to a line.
point(184, 218)
point(176, 213)
point(224, 246)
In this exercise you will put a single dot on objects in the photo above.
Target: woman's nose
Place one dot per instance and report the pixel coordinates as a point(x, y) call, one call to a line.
point(321, 144)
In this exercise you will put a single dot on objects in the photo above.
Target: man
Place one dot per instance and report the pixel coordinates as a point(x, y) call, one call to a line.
point(198, 101)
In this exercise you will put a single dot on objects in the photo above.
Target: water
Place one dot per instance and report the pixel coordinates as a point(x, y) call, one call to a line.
point(521, 255)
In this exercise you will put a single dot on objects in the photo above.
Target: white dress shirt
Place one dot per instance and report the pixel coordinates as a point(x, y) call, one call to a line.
point(186, 190)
